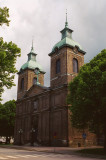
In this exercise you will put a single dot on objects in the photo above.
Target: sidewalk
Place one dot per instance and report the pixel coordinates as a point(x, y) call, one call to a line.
point(56, 150)
point(59, 150)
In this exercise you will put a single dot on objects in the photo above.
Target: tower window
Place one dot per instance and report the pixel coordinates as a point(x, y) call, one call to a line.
point(58, 66)
point(75, 65)
point(34, 80)
point(22, 83)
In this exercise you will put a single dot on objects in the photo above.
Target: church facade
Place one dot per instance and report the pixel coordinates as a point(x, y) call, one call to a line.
point(42, 114)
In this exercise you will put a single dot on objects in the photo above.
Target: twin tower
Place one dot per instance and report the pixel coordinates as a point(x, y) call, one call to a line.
point(41, 112)
point(67, 57)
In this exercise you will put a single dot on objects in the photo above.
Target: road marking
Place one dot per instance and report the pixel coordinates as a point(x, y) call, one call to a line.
point(3, 158)
point(11, 157)
point(49, 155)
point(45, 155)
point(26, 156)
point(33, 156)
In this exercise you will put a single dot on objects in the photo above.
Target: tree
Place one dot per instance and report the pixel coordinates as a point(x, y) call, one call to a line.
point(7, 118)
point(87, 96)
point(4, 15)
point(8, 55)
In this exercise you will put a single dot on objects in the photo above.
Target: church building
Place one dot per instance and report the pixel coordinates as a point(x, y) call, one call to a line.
point(42, 114)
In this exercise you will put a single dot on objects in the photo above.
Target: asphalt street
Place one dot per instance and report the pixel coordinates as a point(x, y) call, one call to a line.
point(11, 154)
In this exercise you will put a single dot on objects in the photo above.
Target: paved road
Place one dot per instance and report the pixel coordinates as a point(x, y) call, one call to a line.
point(11, 154)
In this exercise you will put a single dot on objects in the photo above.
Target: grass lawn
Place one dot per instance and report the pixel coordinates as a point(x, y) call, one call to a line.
point(3, 144)
point(95, 151)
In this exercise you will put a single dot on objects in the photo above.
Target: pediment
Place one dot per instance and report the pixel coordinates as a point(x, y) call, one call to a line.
point(34, 90)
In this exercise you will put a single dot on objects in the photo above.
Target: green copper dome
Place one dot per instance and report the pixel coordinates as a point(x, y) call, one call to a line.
point(67, 40)
point(31, 63)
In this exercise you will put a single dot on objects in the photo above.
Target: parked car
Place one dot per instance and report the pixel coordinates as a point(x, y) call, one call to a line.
point(2, 140)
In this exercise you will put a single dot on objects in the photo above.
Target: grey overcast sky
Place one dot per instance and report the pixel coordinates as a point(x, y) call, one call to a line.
point(44, 19)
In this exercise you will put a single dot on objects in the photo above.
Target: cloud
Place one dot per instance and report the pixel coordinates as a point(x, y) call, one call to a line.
point(44, 20)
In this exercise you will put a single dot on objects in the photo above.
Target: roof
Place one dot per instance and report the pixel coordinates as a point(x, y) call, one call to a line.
point(67, 41)
point(31, 63)
point(36, 89)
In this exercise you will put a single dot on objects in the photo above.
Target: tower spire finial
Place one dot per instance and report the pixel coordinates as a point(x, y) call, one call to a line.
point(32, 42)
point(66, 23)
point(32, 49)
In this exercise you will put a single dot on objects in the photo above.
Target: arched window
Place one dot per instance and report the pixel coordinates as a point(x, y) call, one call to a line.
point(22, 84)
point(75, 65)
point(34, 80)
point(58, 66)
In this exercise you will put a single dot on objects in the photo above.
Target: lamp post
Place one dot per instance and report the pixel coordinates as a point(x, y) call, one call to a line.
point(32, 136)
point(37, 71)
point(20, 135)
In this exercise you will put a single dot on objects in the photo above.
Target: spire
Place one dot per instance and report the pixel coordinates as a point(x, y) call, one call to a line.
point(32, 49)
point(66, 23)
point(32, 54)
point(66, 32)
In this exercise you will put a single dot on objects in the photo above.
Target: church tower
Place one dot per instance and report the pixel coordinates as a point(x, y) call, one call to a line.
point(27, 77)
point(67, 57)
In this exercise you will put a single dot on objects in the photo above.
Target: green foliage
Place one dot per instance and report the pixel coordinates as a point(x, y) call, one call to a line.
point(87, 96)
point(7, 118)
point(93, 151)
point(8, 55)
point(4, 15)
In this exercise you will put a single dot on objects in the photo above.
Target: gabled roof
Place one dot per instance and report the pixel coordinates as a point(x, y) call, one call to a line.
point(35, 89)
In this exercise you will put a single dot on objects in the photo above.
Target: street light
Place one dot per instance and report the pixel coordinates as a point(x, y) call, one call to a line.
point(20, 133)
point(32, 136)
point(37, 71)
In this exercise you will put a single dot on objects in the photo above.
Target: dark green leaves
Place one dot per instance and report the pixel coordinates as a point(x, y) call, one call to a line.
point(4, 15)
point(8, 56)
point(7, 118)
point(87, 97)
